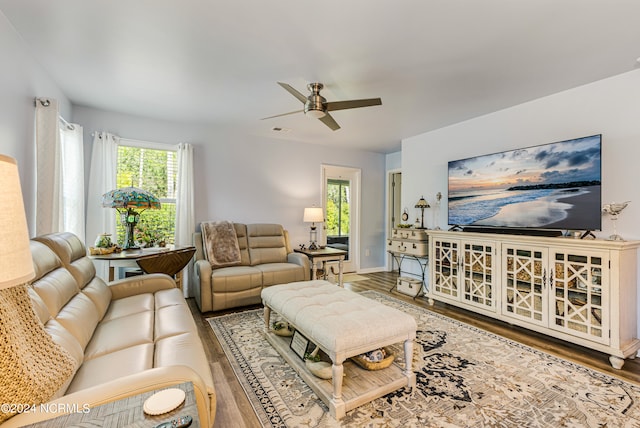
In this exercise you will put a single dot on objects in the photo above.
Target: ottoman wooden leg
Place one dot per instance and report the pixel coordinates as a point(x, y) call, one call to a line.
point(408, 363)
point(267, 315)
point(337, 409)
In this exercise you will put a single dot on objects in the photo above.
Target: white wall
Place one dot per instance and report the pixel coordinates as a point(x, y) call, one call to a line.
point(248, 179)
point(610, 107)
point(21, 81)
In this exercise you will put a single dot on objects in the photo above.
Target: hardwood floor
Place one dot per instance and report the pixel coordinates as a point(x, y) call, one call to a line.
point(235, 410)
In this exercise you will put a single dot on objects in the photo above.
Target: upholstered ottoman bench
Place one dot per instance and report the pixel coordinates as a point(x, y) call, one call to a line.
point(342, 324)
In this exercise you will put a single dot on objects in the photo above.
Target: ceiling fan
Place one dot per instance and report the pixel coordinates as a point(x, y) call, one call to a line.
point(316, 106)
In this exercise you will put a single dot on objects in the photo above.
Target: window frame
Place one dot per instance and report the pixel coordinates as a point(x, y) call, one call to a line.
point(140, 144)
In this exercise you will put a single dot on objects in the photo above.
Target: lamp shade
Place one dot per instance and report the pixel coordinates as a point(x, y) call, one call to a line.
point(422, 203)
point(16, 265)
point(313, 215)
point(130, 197)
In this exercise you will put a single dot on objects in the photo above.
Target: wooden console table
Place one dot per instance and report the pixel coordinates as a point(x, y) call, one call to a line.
point(325, 255)
point(151, 260)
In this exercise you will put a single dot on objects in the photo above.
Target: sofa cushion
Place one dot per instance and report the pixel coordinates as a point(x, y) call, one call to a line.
point(169, 297)
point(108, 336)
point(280, 273)
point(129, 305)
point(112, 366)
point(55, 290)
point(80, 317)
point(172, 321)
point(266, 244)
point(73, 255)
point(235, 278)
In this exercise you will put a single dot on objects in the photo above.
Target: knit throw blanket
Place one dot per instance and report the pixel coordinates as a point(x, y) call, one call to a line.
point(33, 366)
point(221, 243)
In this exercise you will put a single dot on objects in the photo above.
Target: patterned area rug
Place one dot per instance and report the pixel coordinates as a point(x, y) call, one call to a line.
point(466, 377)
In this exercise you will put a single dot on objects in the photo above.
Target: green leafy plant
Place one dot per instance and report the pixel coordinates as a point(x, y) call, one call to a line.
point(147, 234)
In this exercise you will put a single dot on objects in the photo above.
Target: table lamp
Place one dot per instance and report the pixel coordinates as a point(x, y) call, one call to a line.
point(422, 204)
point(313, 215)
point(126, 200)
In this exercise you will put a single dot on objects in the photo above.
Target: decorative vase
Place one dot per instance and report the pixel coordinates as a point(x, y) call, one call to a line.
point(103, 241)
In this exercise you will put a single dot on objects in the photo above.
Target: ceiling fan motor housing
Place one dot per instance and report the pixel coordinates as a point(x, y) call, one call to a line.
point(316, 104)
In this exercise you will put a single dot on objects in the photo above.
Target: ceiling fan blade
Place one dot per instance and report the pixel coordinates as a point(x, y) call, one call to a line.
point(283, 114)
point(330, 122)
point(342, 105)
point(293, 92)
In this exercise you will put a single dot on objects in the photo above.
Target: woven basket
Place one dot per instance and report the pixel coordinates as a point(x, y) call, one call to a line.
point(378, 365)
point(95, 251)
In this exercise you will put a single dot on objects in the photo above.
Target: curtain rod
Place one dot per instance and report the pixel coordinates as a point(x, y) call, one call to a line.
point(45, 102)
point(69, 126)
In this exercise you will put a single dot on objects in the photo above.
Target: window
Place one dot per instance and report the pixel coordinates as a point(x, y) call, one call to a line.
point(156, 171)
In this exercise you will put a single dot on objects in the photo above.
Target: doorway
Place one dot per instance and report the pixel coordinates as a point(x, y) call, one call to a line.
point(341, 201)
point(394, 207)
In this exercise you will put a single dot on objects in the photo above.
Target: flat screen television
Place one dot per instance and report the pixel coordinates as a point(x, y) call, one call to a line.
point(553, 186)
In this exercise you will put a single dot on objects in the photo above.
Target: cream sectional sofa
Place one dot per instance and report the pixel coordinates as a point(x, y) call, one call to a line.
point(125, 338)
point(267, 259)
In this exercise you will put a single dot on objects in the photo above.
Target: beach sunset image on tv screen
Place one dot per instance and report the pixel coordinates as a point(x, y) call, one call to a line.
point(551, 186)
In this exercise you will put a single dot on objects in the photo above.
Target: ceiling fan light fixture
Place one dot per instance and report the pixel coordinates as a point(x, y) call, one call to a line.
point(315, 114)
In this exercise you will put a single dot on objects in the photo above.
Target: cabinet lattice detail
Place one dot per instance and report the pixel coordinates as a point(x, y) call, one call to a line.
point(524, 285)
point(578, 294)
point(445, 268)
point(478, 274)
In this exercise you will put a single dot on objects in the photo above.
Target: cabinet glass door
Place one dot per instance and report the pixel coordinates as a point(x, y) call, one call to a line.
point(525, 281)
point(478, 274)
point(579, 297)
point(445, 268)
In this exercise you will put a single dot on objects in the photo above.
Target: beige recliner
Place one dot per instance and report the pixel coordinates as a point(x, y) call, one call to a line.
point(125, 338)
point(267, 259)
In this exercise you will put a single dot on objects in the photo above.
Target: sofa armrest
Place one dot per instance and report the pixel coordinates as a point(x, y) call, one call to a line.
point(117, 389)
point(202, 287)
point(140, 284)
point(302, 260)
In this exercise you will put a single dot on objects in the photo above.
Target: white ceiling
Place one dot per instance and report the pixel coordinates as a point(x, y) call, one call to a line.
point(433, 62)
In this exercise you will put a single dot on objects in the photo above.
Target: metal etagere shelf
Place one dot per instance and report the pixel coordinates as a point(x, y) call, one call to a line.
point(423, 262)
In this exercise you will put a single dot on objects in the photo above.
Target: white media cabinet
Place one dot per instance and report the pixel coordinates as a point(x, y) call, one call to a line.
point(583, 291)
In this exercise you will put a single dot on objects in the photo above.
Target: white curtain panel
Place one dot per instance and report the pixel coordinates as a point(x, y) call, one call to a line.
point(71, 145)
point(48, 172)
point(102, 178)
point(185, 221)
